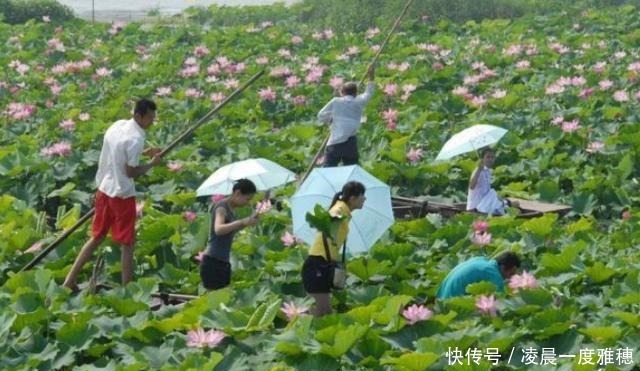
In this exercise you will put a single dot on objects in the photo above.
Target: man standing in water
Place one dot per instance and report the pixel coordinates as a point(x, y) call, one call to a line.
point(115, 203)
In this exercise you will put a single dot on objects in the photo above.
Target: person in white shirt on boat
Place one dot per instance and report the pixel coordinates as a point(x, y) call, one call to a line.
point(481, 197)
point(344, 114)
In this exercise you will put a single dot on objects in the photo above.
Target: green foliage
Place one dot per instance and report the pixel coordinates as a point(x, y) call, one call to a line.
point(21, 11)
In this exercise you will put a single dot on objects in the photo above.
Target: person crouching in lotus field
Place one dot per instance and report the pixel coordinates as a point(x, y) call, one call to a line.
point(476, 270)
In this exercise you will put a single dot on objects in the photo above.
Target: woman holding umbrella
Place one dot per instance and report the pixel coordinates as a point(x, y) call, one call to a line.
point(481, 196)
point(317, 276)
point(215, 269)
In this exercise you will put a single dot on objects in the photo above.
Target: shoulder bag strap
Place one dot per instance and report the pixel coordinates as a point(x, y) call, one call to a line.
point(326, 247)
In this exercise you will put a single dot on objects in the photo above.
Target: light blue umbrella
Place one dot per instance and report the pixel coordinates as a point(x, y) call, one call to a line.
point(367, 224)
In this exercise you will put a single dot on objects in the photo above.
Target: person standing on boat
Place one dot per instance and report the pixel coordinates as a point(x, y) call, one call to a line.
point(215, 269)
point(344, 114)
point(115, 203)
point(481, 197)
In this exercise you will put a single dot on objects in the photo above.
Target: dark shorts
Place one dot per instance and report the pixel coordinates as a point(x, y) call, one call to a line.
point(215, 273)
point(346, 152)
point(316, 275)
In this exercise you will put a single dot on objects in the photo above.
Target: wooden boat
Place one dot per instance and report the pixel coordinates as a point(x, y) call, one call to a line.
point(410, 208)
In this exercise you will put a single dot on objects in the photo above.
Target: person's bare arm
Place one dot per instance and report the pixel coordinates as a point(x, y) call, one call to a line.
point(220, 226)
point(136, 171)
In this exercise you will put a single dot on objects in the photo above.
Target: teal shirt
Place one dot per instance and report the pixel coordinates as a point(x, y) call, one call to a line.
point(471, 271)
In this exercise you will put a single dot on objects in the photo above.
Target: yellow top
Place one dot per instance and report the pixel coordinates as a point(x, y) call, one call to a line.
point(317, 249)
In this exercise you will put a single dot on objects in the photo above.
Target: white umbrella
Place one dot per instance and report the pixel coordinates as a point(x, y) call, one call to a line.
point(471, 139)
point(367, 224)
point(263, 173)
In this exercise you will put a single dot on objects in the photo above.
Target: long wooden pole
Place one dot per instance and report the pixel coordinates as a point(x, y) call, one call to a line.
point(375, 59)
point(171, 146)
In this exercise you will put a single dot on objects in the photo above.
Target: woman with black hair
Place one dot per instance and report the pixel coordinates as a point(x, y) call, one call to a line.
point(215, 269)
point(317, 270)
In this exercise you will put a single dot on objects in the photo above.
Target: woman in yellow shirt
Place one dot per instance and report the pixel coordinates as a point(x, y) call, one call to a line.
point(316, 271)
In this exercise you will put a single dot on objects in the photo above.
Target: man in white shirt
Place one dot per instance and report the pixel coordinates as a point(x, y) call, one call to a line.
point(115, 203)
point(344, 114)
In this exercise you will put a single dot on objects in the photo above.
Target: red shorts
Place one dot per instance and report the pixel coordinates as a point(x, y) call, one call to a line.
point(117, 214)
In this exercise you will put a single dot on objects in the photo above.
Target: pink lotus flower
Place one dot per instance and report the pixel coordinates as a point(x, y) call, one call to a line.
point(478, 101)
point(190, 71)
point(174, 166)
point(200, 51)
point(263, 207)
point(317, 36)
point(231, 83)
point(557, 120)
point(328, 34)
point(285, 53)
point(481, 238)
point(261, 61)
point(336, 82)
point(586, 93)
point(621, 96)
point(570, 126)
point(280, 71)
point(390, 89)
point(59, 149)
point(314, 76)
point(163, 91)
point(522, 281)
point(56, 44)
point(499, 93)
point(193, 93)
point(295, 40)
point(103, 72)
point(554, 89)
point(512, 50)
point(217, 97)
point(267, 94)
point(375, 48)
point(288, 239)
point(204, 339)
point(139, 209)
point(189, 216)
point(414, 155)
point(605, 84)
point(68, 125)
point(480, 226)
point(408, 88)
point(372, 32)
point(292, 81)
point(299, 100)
point(35, 248)
point(55, 89)
point(595, 146)
point(46, 19)
point(390, 115)
point(437, 66)
point(292, 311)
point(391, 125)
point(84, 116)
point(461, 91)
point(599, 67)
point(634, 67)
point(487, 305)
point(620, 54)
point(523, 65)
point(353, 50)
point(217, 198)
point(626, 215)
point(416, 313)
point(578, 81)
point(22, 69)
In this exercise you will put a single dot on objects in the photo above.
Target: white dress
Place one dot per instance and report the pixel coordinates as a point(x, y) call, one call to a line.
point(483, 198)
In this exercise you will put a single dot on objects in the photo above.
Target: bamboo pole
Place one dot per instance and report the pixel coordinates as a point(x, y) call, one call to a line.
point(171, 146)
point(375, 59)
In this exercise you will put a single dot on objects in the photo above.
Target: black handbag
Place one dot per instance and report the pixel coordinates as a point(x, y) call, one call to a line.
point(337, 270)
